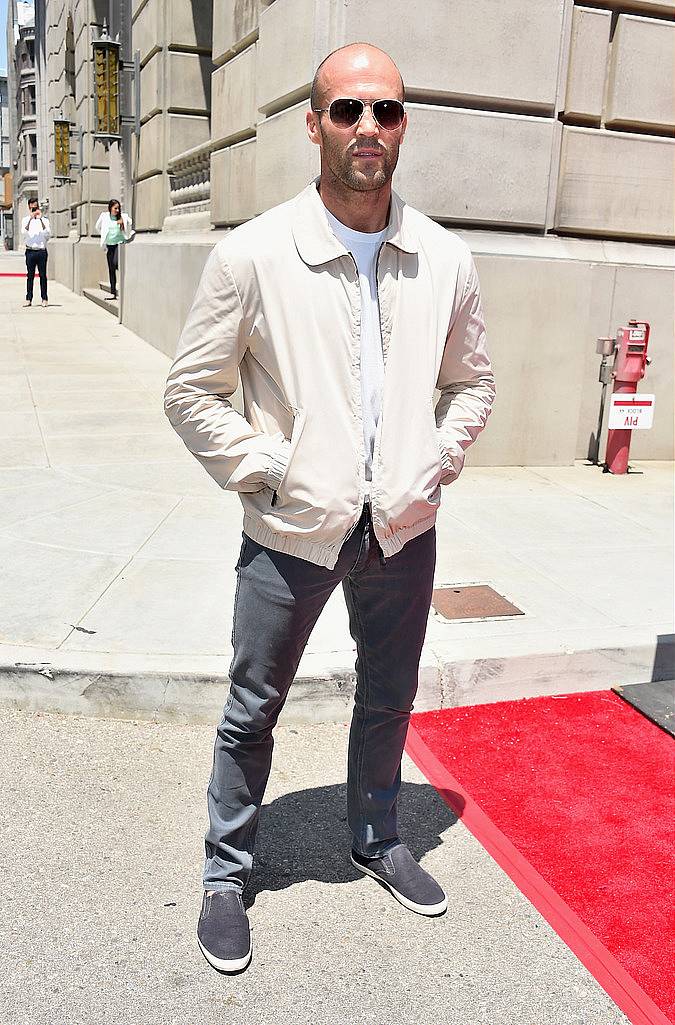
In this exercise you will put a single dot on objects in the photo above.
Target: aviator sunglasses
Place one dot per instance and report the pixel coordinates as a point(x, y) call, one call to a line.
point(346, 112)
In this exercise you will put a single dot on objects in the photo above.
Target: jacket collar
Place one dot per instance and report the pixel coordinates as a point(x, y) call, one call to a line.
point(317, 244)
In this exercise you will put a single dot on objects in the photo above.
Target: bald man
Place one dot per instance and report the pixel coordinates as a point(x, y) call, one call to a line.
point(341, 310)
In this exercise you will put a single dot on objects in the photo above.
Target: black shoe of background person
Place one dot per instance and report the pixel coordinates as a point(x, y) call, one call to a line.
point(414, 888)
point(223, 932)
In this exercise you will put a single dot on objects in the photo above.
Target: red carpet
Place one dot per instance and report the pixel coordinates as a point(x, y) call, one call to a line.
point(573, 797)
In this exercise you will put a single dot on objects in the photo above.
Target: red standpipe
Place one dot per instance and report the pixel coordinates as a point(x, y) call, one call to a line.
point(629, 368)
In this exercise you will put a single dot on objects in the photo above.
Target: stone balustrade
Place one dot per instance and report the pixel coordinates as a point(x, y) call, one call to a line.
point(190, 181)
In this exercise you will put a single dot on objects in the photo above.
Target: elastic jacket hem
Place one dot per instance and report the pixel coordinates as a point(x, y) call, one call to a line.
point(327, 555)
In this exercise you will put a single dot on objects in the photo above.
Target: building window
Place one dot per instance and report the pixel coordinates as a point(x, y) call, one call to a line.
point(28, 101)
point(32, 152)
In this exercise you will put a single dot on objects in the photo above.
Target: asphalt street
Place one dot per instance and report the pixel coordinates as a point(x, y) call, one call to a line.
point(101, 847)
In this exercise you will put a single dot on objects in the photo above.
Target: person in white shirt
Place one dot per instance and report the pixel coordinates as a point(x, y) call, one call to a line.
point(35, 232)
point(115, 229)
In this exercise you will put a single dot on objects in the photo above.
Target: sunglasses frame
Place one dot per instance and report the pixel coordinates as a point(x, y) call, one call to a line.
point(364, 103)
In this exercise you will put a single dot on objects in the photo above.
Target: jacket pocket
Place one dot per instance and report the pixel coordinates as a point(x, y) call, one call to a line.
point(282, 492)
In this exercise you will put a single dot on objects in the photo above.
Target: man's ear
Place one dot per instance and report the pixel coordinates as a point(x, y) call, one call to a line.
point(313, 129)
point(404, 128)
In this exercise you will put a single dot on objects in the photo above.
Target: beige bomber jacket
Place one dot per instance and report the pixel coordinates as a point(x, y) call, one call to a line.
point(279, 303)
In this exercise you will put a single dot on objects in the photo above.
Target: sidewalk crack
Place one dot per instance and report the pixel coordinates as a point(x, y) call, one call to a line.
point(117, 576)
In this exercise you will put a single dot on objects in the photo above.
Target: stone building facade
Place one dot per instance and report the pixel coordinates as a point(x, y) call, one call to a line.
point(6, 206)
point(541, 131)
point(22, 111)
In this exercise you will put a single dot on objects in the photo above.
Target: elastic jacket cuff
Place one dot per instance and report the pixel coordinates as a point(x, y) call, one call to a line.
point(277, 468)
point(451, 462)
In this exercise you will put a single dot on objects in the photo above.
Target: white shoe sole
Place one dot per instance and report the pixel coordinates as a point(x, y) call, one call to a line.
point(232, 965)
point(419, 909)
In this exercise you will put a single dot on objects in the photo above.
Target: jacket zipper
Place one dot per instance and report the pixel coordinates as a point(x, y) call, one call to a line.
point(362, 479)
point(378, 431)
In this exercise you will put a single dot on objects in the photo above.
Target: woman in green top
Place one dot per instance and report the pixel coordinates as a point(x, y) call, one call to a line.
point(115, 229)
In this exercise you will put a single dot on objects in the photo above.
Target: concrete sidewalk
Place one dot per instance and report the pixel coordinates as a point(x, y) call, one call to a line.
point(99, 916)
point(111, 601)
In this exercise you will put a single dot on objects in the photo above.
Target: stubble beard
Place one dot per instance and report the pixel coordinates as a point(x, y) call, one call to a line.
point(368, 179)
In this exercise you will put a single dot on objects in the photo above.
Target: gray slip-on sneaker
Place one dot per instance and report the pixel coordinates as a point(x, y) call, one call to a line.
point(414, 888)
point(223, 932)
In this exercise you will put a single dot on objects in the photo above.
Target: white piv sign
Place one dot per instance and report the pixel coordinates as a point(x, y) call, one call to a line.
point(631, 412)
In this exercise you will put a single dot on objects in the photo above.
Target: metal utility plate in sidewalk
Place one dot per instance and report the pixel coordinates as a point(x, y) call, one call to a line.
point(472, 601)
point(655, 700)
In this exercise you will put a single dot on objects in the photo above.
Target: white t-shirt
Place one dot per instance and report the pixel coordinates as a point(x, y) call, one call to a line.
point(35, 231)
point(364, 247)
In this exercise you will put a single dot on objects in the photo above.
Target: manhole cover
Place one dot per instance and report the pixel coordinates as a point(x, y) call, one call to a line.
point(475, 601)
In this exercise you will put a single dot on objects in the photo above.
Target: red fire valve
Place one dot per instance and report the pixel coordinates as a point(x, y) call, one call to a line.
point(630, 364)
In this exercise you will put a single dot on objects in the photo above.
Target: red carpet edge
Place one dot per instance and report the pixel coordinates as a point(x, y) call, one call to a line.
point(624, 991)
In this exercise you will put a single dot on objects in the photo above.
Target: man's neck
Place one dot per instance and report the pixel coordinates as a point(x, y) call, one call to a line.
point(360, 211)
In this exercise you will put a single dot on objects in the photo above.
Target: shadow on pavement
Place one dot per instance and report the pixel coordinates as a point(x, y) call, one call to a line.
point(304, 835)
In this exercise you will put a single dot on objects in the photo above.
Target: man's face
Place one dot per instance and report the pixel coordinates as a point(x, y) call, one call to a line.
point(33, 207)
point(363, 157)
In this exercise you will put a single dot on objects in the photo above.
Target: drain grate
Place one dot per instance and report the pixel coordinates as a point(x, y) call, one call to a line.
point(474, 601)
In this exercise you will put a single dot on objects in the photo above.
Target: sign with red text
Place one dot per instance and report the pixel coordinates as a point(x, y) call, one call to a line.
point(631, 412)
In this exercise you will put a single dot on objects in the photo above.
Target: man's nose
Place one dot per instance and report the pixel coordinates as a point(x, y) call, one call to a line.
point(367, 124)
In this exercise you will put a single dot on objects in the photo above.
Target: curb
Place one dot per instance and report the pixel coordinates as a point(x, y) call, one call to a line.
point(323, 691)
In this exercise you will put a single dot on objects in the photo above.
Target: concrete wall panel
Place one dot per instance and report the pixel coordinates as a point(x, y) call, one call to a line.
point(190, 24)
point(152, 202)
point(468, 166)
point(233, 183)
point(160, 324)
point(285, 158)
point(613, 184)
point(184, 132)
point(147, 30)
point(87, 216)
point(96, 185)
point(188, 77)
point(152, 92)
point(642, 74)
point(294, 38)
point(93, 185)
point(60, 223)
point(235, 25)
point(587, 63)
point(151, 154)
point(242, 181)
point(83, 48)
point(478, 48)
point(234, 97)
point(95, 152)
point(505, 53)
point(454, 164)
point(646, 293)
point(61, 261)
point(221, 167)
point(620, 293)
point(89, 264)
point(537, 315)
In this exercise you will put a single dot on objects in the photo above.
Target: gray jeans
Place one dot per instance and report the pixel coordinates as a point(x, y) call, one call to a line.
point(279, 598)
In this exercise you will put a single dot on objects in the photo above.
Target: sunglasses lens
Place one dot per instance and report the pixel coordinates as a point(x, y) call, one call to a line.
point(388, 114)
point(344, 113)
